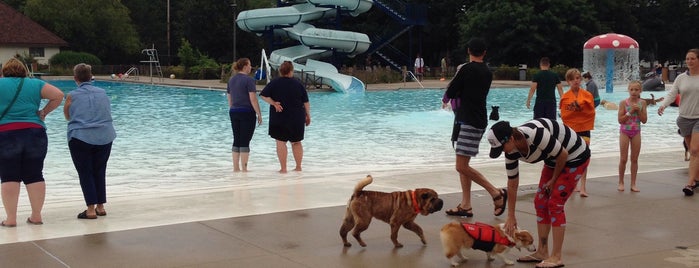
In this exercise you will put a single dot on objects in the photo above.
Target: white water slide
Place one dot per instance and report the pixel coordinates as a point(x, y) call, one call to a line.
point(316, 43)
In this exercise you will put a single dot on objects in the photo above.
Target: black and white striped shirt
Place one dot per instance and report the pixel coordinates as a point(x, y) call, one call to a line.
point(546, 140)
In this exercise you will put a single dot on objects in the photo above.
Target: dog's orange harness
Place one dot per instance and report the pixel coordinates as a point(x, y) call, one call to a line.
point(485, 236)
point(416, 206)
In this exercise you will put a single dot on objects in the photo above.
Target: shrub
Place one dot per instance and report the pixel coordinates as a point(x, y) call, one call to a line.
point(68, 59)
point(504, 72)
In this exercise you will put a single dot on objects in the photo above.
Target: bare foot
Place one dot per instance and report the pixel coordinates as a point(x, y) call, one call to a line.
point(583, 194)
point(634, 189)
point(620, 188)
point(298, 169)
point(236, 170)
point(282, 171)
point(576, 189)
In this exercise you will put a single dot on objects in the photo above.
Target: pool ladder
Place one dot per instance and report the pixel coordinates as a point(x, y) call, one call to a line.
point(411, 74)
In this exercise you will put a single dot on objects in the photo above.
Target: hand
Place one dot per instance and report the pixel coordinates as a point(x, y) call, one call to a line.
point(510, 226)
point(42, 114)
point(308, 119)
point(661, 110)
point(259, 119)
point(278, 107)
point(528, 104)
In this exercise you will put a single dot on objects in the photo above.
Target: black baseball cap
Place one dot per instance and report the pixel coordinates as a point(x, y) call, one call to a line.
point(498, 134)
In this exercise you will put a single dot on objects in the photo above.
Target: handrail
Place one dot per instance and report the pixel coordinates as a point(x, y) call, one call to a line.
point(414, 77)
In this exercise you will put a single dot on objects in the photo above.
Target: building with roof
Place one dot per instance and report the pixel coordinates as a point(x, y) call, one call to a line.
point(20, 35)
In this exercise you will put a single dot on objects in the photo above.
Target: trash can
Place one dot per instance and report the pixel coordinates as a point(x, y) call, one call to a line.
point(522, 72)
point(672, 72)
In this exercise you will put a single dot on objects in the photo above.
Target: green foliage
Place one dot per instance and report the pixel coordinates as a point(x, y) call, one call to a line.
point(196, 64)
point(523, 31)
point(188, 55)
point(68, 59)
point(100, 27)
point(505, 72)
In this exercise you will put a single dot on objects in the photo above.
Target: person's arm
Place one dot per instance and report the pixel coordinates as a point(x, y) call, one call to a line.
point(559, 86)
point(511, 221)
point(532, 89)
point(643, 111)
point(255, 106)
point(621, 112)
point(277, 105)
point(55, 97)
point(669, 98)
point(66, 107)
point(307, 106)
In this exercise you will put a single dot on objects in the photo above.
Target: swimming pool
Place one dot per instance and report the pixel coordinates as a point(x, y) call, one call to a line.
point(173, 139)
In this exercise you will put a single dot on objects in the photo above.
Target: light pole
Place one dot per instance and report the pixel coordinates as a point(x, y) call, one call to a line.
point(168, 33)
point(235, 29)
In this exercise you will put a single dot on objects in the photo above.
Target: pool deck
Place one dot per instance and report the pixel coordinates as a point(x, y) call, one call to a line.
point(294, 222)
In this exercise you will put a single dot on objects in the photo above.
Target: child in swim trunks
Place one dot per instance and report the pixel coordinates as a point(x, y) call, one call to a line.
point(632, 112)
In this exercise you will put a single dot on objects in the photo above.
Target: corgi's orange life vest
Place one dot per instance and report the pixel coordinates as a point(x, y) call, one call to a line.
point(485, 236)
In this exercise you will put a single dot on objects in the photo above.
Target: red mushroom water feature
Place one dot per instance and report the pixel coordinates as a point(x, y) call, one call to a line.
point(611, 57)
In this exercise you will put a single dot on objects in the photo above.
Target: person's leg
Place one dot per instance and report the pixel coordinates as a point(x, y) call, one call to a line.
point(37, 193)
point(10, 199)
point(101, 157)
point(466, 147)
point(462, 166)
point(236, 128)
point(635, 152)
point(297, 151)
point(281, 155)
point(623, 158)
point(82, 160)
point(247, 130)
point(560, 192)
point(693, 141)
point(36, 147)
point(468, 174)
point(583, 180)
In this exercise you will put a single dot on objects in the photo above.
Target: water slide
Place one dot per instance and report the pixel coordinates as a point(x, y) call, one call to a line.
point(316, 44)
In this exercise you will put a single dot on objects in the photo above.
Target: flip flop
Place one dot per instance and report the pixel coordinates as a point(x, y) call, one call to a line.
point(7, 225)
point(503, 196)
point(545, 264)
point(29, 220)
point(458, 211)
point(529, 258)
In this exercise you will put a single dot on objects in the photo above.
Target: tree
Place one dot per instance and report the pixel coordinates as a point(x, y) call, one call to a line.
point(100, 27)
point(522, 32)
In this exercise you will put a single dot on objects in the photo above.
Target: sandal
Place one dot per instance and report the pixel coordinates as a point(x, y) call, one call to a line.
point(458, 211)
point(83, 215)
point(689, 189)
point(503, 196)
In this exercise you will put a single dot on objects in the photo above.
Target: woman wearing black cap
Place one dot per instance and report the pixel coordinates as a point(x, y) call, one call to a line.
point(565, 155)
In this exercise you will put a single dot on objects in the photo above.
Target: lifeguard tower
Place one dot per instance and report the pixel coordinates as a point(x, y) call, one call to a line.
point(153, 59)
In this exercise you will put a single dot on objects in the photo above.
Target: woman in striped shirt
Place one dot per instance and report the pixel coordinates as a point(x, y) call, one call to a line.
point(566, 157)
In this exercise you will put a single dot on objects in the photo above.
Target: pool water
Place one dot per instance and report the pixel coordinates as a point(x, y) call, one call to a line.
point(179, 139)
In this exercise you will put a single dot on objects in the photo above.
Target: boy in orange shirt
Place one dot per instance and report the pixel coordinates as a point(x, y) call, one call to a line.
point(578, 112)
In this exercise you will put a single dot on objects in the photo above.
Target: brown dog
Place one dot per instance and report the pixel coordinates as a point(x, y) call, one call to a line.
point(457, 236)
point(395, 208)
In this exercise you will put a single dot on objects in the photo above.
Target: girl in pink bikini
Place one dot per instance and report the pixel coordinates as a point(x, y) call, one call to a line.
point(632, 112)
